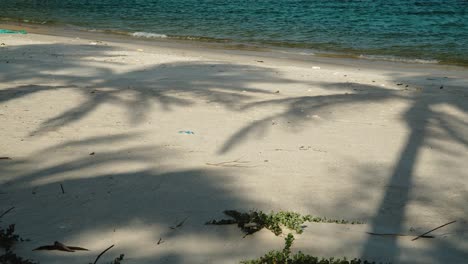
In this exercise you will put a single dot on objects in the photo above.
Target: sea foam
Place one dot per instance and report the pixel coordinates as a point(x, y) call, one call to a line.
point(148, 35)
point(398, 59)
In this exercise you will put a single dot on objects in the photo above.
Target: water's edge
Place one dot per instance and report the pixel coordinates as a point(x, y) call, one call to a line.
point(415, 31)
point(210, 43)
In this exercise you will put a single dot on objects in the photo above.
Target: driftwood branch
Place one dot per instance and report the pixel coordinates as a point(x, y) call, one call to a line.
point(7, 211)
point(61, 247)
point(102, 253)
point(432, 230)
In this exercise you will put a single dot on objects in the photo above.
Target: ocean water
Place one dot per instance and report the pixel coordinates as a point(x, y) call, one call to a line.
point(420, 30)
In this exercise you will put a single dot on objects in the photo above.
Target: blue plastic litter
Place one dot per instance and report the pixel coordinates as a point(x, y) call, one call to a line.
point(188, 132)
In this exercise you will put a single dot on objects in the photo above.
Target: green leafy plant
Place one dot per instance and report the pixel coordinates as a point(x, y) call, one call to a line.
point(118, 260)
point(254, 221)
point(276, 256)
point(8, 239)
point(291, 220)
point(317, 219)
point(285, 256)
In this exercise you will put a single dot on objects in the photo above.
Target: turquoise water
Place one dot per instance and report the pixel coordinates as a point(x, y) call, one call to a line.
point(407, 29)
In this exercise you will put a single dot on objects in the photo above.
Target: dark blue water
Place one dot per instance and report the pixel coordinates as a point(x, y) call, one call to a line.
point(411, 29)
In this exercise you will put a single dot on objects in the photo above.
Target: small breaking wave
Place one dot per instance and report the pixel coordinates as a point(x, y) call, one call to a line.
point(148, 35)
point(398, 59)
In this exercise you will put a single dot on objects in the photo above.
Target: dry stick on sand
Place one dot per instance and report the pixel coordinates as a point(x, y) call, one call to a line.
point(160, 241)
point(235, 163)
point(5, 158)
point(179, 224)
point(7, 211)
point(433, 230)
point(102, 253)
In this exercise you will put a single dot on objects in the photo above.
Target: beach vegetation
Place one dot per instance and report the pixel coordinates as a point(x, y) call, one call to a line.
point(8, 238)
point(285, 256)
point(254, 221)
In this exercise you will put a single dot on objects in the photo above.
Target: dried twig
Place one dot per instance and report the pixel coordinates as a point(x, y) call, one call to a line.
point(179, 224)
point(61, 186)
point(433, 230)
point(160, 241)
point(102, 253)
point(235, 163)
point(227, 162)
point(7, 211)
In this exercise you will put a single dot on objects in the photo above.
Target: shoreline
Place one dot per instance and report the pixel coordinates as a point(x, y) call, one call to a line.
point(225, 45)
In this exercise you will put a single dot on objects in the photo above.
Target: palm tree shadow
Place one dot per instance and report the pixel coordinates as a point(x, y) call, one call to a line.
point(299, 109)
point(176, 84)
point(421, 119)
point(119, 194)
point(425, 123)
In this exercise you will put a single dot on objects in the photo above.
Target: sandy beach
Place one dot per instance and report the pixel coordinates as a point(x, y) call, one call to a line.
point(142, 135)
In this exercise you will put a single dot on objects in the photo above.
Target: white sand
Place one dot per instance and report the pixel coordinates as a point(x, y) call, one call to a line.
point(342, 141)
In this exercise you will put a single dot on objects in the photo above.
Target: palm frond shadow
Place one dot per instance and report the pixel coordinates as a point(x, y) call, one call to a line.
point(175, 85)
point(106, 200)
point(136, 90)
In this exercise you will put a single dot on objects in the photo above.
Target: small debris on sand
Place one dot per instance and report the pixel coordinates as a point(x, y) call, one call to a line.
point(160, 241)
point(60, 247)
point(179, 224)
